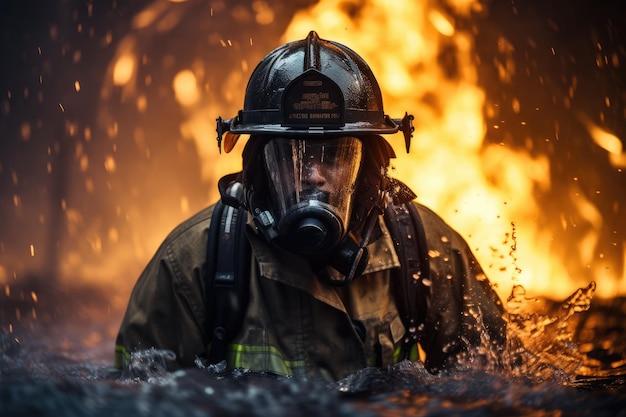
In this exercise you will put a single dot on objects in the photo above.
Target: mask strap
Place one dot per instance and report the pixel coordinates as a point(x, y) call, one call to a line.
point(370, 222)
point(360, 255)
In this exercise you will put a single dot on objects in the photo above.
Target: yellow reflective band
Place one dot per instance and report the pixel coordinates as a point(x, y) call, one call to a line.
point(263, 357)
point(413, 355)
point(121, 356)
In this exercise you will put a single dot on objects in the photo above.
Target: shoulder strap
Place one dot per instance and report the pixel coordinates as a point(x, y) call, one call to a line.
point(410, 282)
point(227, 275)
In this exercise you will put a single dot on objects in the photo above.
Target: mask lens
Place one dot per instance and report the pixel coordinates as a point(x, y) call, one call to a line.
point(312, 183)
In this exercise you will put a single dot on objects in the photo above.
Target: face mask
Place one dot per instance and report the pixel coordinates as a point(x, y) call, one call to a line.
point(312, 185)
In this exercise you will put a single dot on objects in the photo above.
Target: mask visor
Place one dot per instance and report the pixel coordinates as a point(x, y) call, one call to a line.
point(312, 184)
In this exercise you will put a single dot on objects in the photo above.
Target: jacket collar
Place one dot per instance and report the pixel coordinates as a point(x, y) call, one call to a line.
point(294, 270)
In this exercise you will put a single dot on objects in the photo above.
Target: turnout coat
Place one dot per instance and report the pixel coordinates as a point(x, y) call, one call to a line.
point(297, 324)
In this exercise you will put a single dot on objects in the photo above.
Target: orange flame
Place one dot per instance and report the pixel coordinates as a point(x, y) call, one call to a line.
point(449, 167)
point(424, 62)
point(484, 190)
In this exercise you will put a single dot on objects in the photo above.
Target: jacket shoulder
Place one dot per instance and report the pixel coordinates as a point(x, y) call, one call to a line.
point(201, 219)
point(430, 218)
point(184, 248)
point(166, 307)
point(437, 229)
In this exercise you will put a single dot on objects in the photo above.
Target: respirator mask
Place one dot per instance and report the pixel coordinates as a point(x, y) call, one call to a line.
point(311, 189)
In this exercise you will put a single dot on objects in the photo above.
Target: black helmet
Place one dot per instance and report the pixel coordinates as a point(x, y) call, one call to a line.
point(312, 87)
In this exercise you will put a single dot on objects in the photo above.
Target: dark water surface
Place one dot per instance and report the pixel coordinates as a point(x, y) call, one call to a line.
point(569, 361)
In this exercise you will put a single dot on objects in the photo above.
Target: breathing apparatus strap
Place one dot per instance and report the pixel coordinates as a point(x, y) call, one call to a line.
point(227, 273)
point(411, 295)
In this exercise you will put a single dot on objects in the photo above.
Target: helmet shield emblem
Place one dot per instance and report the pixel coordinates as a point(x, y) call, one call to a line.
point(313, 100)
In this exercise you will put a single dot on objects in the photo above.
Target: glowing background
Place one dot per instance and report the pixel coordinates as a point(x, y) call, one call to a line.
point(107, 127)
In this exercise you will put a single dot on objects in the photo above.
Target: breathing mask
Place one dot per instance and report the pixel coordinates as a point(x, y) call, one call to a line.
point(311, 187)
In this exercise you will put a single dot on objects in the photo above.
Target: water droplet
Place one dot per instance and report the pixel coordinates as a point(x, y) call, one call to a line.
point(433, 253)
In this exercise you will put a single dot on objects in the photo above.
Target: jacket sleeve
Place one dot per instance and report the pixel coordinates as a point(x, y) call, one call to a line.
point(166, 307)
point(462, 311)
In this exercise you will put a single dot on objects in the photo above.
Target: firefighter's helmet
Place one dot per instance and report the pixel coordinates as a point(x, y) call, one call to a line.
point(312, 87)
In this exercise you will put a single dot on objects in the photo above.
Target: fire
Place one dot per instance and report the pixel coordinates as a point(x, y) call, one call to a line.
point(424, 59)
point(483, 190)
point(606, 140)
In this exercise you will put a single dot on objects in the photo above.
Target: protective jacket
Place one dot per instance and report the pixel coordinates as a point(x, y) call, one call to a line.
point(297, 324)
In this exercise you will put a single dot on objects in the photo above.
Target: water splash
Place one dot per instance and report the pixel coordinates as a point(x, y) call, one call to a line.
point(540, 376)
point(147, 365)
point(541, 341)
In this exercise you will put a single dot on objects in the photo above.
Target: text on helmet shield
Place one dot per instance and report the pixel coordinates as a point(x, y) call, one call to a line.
point(313, 100)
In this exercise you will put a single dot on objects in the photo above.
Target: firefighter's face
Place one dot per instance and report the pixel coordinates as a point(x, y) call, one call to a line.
point(313, 178)
point(306, 168)
point(320, 168)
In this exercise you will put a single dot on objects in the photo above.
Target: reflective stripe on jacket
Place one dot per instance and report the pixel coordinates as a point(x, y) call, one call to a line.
point(297, 324)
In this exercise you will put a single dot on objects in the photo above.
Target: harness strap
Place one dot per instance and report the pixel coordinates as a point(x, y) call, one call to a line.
point(410, 288)
point(227, 274)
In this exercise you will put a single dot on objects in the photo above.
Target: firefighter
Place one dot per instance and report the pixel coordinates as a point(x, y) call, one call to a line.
point(323, 295)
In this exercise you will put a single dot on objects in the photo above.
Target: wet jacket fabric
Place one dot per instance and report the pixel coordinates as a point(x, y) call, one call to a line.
point(297, 324)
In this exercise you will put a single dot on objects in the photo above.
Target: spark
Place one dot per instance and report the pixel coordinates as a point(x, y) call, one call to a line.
point(186, 88)
point(441, 22)
point(124, 69)
point(109, 164)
